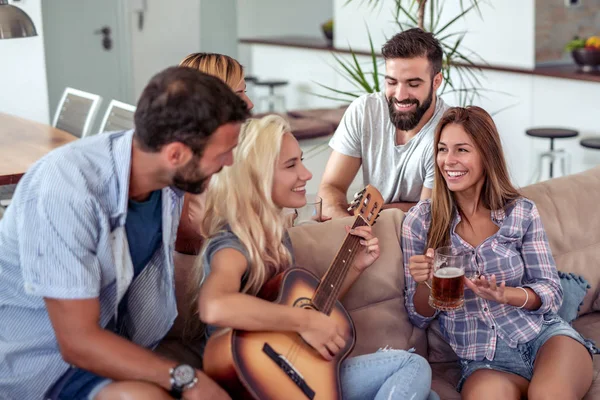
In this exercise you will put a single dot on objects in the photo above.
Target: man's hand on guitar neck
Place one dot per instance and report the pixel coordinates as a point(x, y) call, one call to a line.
point(323, 333)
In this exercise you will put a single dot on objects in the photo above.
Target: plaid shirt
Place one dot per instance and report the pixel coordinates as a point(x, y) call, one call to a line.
point(518, 253)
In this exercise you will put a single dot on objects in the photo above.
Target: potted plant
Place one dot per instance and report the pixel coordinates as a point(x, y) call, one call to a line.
point(327, 28)
point(585, 52)
point(424, 14)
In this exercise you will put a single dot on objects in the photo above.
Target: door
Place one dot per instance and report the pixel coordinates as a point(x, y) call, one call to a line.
point(87, 46)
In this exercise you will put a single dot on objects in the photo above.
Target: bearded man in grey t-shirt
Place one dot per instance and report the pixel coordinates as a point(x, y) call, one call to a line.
point(390, 133)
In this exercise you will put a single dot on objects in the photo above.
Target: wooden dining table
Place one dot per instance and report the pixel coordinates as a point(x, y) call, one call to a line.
point(23, 142)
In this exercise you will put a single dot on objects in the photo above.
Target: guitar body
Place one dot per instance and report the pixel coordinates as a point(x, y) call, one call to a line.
point(279, 365)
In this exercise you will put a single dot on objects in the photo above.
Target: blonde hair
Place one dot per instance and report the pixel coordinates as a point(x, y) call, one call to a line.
point(497, 192)
point(240, 198)
point(223, 67)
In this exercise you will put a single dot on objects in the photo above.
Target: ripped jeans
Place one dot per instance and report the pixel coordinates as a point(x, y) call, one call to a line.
point(385, 375)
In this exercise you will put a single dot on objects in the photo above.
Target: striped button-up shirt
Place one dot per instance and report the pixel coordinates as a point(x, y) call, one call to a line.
point(518, 253)
point(64, 237)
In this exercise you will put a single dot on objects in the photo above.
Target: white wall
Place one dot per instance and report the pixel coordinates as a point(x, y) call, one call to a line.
point(218, 27)
point(270, 18)
point(503, 35)
point(257, 18)
point(572, 104)
point(23, 86)
point(164, 41)
point(300, 67)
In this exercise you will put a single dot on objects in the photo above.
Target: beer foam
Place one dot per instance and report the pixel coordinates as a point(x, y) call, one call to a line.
point(449, 272)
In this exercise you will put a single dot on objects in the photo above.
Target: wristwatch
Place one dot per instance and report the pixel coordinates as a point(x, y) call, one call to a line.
point(183, 377)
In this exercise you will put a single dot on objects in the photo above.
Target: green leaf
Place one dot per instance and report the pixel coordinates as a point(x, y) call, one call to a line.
point(336, 90)
point(349, 69)
point(374, 59)
point(350, 77)
point(406, 12)
point(453, 20)
point(455, 47)
point(431, 14)
point(493, 113)
point(438, 13)
point(350, 94)
point(443, 39)
point(474, 3)
point(364, 82)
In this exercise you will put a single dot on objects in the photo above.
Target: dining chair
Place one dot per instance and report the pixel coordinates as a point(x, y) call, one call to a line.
point(118, 117)
point(6, 192)
point(76, 112)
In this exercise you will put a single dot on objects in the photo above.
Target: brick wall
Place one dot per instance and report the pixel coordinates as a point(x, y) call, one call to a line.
point(555, 25)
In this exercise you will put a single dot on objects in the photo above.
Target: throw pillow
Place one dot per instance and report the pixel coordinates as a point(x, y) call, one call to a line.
point(574, 290)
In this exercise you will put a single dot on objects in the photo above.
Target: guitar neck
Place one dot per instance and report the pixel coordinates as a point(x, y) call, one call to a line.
point(329, 289)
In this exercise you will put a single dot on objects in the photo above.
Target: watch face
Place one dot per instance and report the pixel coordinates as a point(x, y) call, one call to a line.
point(183, 375)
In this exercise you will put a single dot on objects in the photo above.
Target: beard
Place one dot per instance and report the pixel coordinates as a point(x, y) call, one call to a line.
point(190, 179)
point(407, 120)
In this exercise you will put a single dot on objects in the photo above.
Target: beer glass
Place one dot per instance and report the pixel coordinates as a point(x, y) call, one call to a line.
point(447, 286)
point(311, 213)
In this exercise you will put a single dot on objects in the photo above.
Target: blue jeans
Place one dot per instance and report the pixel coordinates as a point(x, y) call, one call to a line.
point(77, 384)
point(386, 375)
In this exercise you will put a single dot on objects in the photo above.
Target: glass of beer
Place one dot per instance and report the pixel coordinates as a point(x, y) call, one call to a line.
point(447, 286)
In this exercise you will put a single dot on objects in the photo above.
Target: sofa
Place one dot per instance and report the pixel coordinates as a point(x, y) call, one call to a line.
point(568, 207)
point(569, 210)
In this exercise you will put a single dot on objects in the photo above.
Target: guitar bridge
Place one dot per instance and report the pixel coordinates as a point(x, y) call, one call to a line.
point(289, 370)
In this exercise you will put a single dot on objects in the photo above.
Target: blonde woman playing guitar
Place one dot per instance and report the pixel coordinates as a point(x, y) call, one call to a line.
point(248, 245)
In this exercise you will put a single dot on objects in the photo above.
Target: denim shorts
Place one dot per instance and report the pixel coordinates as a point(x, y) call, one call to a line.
point(520, 360)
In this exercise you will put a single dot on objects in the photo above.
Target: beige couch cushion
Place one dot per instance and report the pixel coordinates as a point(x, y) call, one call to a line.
point(376, 301)
point(570, 214)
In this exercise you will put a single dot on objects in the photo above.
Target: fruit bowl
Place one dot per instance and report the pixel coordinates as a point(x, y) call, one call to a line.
point(587, 59)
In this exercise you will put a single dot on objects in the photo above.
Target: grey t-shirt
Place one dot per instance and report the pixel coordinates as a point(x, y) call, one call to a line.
point(225, 240)
point(398, 172)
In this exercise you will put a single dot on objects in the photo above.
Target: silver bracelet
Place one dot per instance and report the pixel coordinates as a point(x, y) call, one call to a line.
point(526, 294)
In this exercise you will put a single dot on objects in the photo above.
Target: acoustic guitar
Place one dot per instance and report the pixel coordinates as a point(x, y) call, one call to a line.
point(280, 365)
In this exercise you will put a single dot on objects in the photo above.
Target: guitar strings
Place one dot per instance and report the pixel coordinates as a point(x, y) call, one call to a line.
point(330, 300)
point(340, 277)
point(337, 279)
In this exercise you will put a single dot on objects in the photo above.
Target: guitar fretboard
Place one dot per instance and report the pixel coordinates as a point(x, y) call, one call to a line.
point(329, 289)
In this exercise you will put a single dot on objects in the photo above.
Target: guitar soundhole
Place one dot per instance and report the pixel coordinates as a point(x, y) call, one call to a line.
point(304, 302)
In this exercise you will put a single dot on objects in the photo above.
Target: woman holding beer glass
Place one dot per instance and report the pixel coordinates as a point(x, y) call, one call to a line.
point(503, 326)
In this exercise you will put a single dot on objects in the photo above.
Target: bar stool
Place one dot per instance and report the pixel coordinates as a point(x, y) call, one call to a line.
point(251, 86)
point(272, 99)
point(553, 154)
point(591, 143)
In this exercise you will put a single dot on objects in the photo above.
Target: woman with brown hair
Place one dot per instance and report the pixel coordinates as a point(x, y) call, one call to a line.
point(508, 337)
